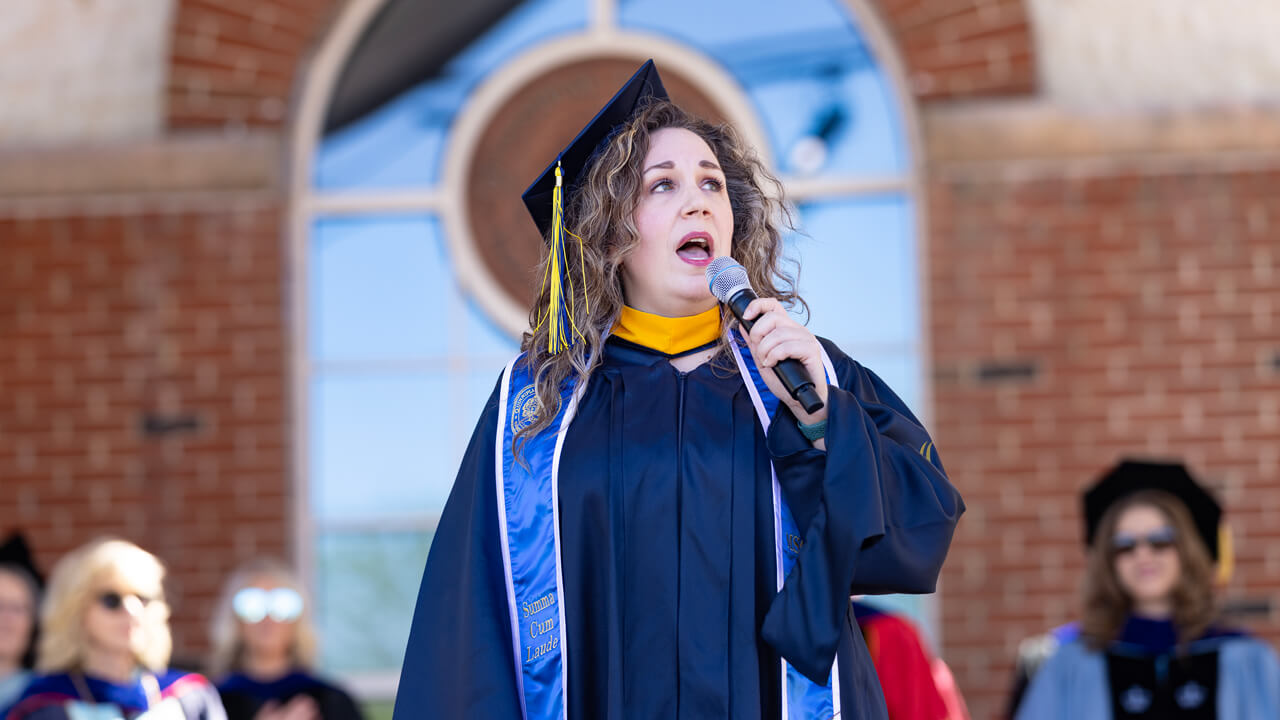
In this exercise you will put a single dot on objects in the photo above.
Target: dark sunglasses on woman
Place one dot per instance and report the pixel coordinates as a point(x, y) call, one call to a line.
point(113, 600)
point(1126, 543)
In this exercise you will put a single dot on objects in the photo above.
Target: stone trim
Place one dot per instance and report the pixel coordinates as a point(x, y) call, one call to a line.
point(1025, 135)
point(178, 164)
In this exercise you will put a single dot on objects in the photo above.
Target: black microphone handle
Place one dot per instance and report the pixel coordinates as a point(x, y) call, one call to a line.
point(795, 378)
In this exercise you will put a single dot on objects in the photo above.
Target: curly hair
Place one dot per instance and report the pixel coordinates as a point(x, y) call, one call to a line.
point(1106, 604)
point(600, 211)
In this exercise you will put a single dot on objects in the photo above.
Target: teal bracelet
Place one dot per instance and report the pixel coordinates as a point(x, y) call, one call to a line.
point(814, 432)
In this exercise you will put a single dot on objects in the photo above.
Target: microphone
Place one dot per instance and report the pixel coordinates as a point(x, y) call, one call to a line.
point(730, 285)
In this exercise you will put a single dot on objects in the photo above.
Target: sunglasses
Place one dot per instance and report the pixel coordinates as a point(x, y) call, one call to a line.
point(1126, 543)
point(113, 600)
point(255, 604)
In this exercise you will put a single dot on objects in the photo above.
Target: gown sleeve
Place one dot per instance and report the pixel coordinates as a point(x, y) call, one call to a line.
point(1249, 680)
point(336, 704)
point(876, 511)
point(1071, 683)
point(459, 661)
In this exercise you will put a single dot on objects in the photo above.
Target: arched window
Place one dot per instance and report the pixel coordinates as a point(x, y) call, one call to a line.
point(420, 125)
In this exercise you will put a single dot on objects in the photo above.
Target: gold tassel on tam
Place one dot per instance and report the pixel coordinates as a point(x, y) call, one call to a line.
point(563, 330)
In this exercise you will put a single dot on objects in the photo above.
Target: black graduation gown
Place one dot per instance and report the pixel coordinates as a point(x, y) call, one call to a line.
point(670, 600)
point(243, 697)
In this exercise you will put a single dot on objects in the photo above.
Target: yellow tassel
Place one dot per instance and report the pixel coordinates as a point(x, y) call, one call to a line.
point(562, 326)
point(1226, 554)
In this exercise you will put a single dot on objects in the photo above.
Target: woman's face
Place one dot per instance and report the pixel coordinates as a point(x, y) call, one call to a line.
point(684, 219)
point(269, 628)
point(1146, 555)
point(113, 622)
point(17, 615)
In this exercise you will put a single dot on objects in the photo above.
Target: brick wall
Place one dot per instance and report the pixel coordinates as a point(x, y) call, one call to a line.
point(956, 49)
point(234, 62)
point(1143, 302)
point(115, 322)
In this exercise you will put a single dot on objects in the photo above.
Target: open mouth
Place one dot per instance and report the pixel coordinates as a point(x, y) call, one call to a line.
point(695, 248)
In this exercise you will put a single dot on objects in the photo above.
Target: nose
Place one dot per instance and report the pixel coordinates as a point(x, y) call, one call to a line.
point(695, 202)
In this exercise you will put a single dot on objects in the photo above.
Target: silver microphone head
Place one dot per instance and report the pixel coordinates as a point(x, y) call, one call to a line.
point(726, 277)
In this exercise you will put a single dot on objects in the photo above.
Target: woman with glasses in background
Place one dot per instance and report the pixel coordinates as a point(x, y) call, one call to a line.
point(264, 650)
point(19, 598)
point(1148, 645)
point(105, 644)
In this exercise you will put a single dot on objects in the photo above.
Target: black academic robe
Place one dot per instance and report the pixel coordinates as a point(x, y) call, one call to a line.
point(670, 600)
point(243, 697)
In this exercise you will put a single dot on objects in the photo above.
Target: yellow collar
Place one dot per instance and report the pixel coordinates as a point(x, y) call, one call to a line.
point(668, 335)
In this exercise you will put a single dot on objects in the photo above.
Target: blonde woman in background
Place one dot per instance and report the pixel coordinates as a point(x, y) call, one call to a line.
point(105, 644)
point(264, 650)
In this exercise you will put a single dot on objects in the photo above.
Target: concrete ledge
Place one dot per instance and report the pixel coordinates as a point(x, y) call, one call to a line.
point(1000, 132)
point(180, 164)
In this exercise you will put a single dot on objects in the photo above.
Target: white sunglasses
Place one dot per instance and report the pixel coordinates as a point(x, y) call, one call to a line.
point(255, 604)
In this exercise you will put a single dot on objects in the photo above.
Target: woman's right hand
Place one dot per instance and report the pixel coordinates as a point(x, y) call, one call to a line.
point(301, 707)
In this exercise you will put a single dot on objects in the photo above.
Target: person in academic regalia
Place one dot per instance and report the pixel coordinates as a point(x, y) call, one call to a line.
point(916, 684)
point(19, 599)
point(1148, 645)
point(105, 643)
point(615, 544)
point(264, 647)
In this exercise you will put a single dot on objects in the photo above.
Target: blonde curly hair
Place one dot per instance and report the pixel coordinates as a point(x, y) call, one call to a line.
point(107, 564)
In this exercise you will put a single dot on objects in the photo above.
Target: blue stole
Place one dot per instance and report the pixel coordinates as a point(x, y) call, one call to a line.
point(529, 525)
point(802, 698)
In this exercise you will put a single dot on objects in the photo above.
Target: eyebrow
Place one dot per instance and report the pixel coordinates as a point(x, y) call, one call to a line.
point(668, 164)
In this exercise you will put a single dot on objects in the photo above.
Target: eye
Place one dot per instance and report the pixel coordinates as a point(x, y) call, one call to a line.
point(662, 185)
point(713, 184)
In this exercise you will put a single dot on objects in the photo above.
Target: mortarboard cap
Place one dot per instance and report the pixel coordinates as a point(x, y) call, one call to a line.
point(16, 552)
point(1131, 476)
point(643, 86)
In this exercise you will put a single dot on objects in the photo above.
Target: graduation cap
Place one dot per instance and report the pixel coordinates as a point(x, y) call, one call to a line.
point(1132, 476)
point(573, 161)
point(16, 553)
point(545, 197)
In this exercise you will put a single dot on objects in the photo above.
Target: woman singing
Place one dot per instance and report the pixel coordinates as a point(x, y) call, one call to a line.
point(616, 543)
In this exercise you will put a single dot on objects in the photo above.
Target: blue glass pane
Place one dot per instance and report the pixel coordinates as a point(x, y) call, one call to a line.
point(858, 270)
point(486, 340)
point(900, 370)
point(385, 444)
point(481, 384)
point(377, 287)
point(822, 98)
point(402, 144)
point(367, 586)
